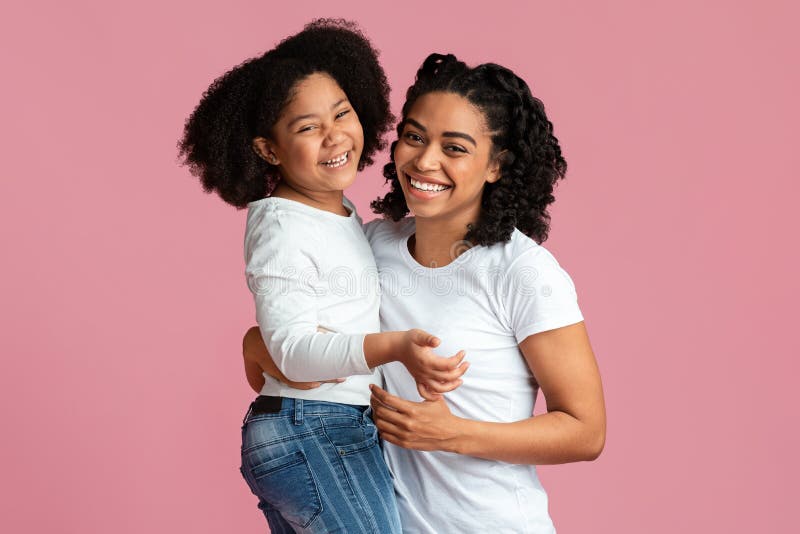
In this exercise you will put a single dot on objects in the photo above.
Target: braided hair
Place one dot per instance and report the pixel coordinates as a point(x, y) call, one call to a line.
point(247, 101)
point(522, 138)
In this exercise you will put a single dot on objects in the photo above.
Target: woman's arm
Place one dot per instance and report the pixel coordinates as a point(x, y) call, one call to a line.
point(573, 429)
point(257, 362)
point(254, 375)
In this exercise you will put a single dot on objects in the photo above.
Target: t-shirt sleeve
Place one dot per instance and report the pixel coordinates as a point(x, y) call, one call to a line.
point(371, 228)
point(283, 277)
point(540, 295)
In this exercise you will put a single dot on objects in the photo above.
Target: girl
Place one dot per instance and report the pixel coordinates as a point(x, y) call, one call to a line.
point(283, 134)
point(475, 163)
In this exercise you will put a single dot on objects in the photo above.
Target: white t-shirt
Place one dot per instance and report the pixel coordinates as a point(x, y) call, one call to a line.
point(316, 291)
point(486, 301)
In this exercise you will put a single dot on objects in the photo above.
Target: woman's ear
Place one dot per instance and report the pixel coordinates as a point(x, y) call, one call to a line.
point(493, 172)
point(263, 147)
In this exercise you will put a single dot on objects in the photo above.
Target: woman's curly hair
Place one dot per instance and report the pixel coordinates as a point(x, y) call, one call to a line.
point(522, 137)
point(247, 101)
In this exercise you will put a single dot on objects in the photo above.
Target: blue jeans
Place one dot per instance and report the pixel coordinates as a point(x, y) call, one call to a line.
point(318, 467)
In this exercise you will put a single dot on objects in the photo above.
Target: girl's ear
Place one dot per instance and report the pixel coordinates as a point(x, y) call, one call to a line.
point(263, 147)
point(493, 172)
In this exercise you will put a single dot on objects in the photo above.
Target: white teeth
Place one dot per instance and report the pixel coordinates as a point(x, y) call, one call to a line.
point(425, 186)
point(337, 162)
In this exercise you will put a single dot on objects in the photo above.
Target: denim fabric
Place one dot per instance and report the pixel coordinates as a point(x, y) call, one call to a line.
point(318, 467)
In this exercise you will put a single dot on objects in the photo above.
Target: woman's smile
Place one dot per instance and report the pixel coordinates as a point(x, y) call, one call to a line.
point(443, 158)
point(424, 187)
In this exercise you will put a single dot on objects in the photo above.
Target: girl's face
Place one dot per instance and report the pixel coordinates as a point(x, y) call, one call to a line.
point(443, 158)
point(318, 139)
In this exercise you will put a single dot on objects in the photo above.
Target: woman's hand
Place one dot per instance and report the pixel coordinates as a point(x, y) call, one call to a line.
point(572, 430)
point(424, 426)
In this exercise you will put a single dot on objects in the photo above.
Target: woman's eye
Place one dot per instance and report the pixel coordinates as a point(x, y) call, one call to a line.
point(414, 138)
point(456, 148)
point(342, 113)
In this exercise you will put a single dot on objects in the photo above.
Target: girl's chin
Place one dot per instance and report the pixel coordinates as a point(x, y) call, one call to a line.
point(348, 181)
point(339, 180)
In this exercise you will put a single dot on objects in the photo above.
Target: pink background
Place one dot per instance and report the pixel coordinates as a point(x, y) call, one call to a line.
point(122, 283)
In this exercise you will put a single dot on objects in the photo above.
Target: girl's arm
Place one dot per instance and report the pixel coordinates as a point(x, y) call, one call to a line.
point(283, 275)
point(573, 429)
point(412, 348)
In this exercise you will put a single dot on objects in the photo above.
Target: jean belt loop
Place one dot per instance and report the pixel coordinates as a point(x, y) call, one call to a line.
point(249, 411)
point(298, 411)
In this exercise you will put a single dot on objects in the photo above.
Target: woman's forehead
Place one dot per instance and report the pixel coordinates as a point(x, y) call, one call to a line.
point(440, 111)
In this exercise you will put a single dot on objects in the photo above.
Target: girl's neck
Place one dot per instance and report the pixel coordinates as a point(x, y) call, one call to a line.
point(437, 243)
point(332, 201)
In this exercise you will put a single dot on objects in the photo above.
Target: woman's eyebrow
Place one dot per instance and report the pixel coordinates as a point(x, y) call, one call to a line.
point(460, 135)
point(313, 115)
point(416, 125)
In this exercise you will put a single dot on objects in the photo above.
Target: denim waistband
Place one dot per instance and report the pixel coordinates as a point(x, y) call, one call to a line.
point(302, 407)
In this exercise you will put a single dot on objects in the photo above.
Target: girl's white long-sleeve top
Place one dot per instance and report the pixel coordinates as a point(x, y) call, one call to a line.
point(316, 291)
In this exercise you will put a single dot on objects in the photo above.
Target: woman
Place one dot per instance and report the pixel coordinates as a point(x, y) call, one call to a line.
point(476, 162)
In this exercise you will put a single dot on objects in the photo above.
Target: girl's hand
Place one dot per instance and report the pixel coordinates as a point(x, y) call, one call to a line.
point(434, 375)
point(424, 426)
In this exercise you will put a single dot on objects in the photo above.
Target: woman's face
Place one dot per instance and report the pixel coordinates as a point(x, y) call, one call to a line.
point(318, 139)
point(443, 158)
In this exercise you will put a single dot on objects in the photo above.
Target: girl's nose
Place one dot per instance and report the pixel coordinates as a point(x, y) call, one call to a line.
point(334, 137)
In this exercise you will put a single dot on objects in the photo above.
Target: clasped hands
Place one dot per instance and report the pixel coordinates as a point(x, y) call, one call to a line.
point(428, 425)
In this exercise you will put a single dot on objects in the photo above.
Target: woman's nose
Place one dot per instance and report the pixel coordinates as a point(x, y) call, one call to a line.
point(427, 160)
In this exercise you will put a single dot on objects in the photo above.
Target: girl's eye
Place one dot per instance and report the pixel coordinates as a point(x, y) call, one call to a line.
point(306, 128)
point(342, 113)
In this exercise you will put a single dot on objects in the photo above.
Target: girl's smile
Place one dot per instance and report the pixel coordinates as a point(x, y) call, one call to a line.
point(338, 162)
point(317, 141)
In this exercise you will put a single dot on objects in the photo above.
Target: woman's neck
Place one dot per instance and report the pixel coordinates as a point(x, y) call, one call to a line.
point(437, 243)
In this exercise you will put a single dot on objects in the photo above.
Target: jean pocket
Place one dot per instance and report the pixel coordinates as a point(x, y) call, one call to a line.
point(350, 434)
point(288, 485)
